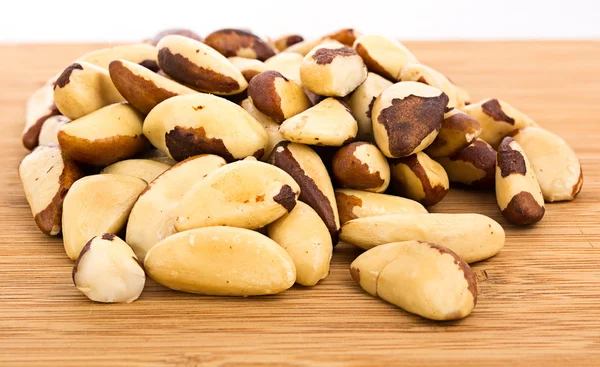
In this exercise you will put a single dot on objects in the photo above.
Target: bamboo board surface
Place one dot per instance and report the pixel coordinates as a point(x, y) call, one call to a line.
point(539, 300)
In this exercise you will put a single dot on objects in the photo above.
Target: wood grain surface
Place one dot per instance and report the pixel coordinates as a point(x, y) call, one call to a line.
point(539, 301)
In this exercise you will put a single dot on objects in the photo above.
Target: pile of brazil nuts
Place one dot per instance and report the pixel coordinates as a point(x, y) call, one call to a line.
point(232, 165)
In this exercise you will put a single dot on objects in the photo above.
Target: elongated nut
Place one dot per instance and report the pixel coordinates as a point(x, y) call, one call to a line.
point(50, 129)
point(271, 127)
point(139, 53)
point(105, 136)
point(420, 277)
point(178, 31)
point(361, 101)
point(474, 165)
point(199, 66)
point(420, 178)
point(243, 194)
point(307, 169)
point(221, 261)
point(97, 204)
point(457, 132)
point(108, 271)
point(332, 69)
point(416, 72)
point(383, 55)
point(276, 96)
point(288, 64)
point(142, 88)
point(83, 88)
point(361, 166)
point(40, 107)
point(473, 237)
point(498, 119)
point(354, 204)
point(248, 67)
point(189, 125)
point(555, 164)
point(407, 117)
point(518, 193)
point(306, 239)
point(327, 123)
point(286, 41)
point(237, 42)
point(47, 176)
point(146, 169)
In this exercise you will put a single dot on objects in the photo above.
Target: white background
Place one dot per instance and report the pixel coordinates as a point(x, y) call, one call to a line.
point(123, 20)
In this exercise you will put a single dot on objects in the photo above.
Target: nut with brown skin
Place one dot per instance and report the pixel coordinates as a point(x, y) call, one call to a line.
point(47, 176)
point(518, 193)
point(457, 132)
point(199, 66)
point(474, 165)
point(420, 277)
point(407, 117)
point(498, 119)
point(107, 271)
point(307, 169)
point(146, 169)
point(346, 36)
point(354, 204)
point(139, 53)
point(105, 136)
point(185, 126)
point(327, 123)
point(83, 88)
point(142, 88)
point(178, 31)
point(419, 178)
point(50, 129)
point(40, 107)
point(332, 69)
point(237, 42)
point(361, 166)
point(286, 41)
point(271, 127)
point(416, 72)
point(288, 64)
point(276, 96)
point(248, 67)
point(555, 164)
point(97, 204)
point(244, 194)
point(382, 55)
point(361, 101)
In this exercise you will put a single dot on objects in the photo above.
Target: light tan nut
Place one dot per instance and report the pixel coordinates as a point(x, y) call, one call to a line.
point(237, 42)
point(420, 277)
point(327, 123)
point(107, 271)
point(286, 41)
point(243, 194)
point(407, 117)
point(221, 261)
point(268, 123)
point(555, 164)
point(199, 66)
point(105, 136)
point(361, 166)
point(276, 96)
point(153, 215)
point(185, 126)
point(178, 31)
point(419, 178)
point(498, 119)
point(306, 239)
point(474, 165)
point(354, 204)
point(416, 72)
point(457, 132)
point(361, 101)
point(146, 169)
point(518, 193)
point(248, 67)
point(46, 176)
point(83, 88)
point(139, 53)
point(307, 169)
point(40, 107)
point(474, 237)
point(142, 88)
point(382, 55)
point(332, 69)
point(157, 156)
point(346, 36)
point(95, 205)
point(288, 64)
point(50, 129)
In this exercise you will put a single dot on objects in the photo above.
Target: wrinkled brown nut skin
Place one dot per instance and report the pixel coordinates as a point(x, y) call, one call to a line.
point(286, 41)
point(31, 136)
point(433, 193)
point(264, 95)
point(457, 132)
point(345, 36)
point(234, 42)
point(523, 210)
point(481, 157)
point(101, 152)
point(179, 31)
point(351, 172)
point(185, 142)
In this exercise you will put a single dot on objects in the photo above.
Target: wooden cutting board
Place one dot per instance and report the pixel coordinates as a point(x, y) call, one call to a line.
point(539, 300)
